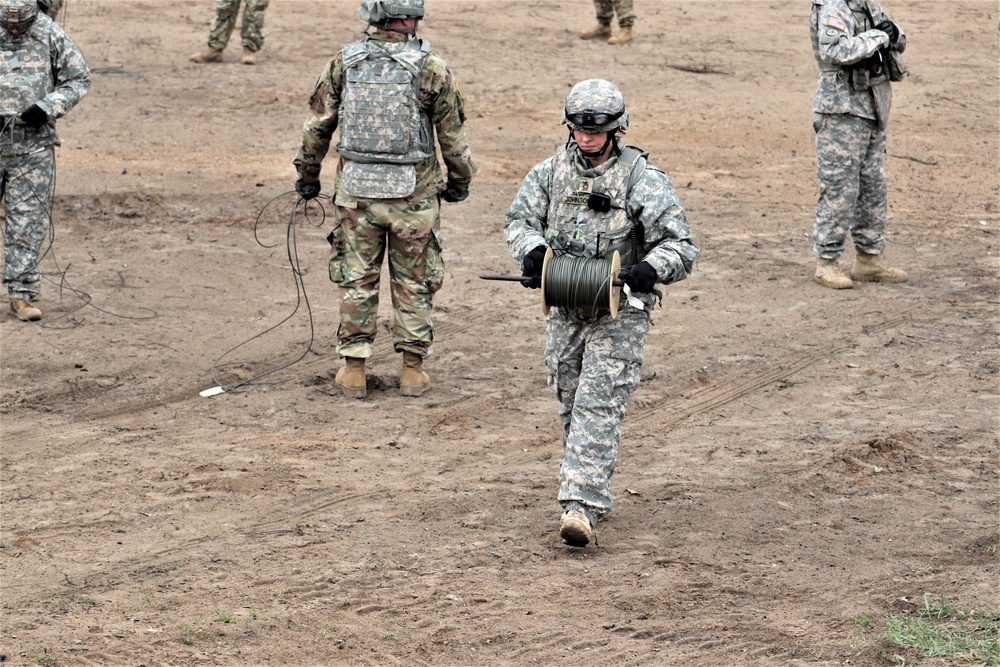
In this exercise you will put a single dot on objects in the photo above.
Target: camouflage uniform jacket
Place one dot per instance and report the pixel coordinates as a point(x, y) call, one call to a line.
point(651, 204)
point(44, 67)
point(843, 34)
point(440, 98)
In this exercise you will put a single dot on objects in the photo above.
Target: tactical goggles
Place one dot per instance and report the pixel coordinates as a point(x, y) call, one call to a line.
point(592, 119)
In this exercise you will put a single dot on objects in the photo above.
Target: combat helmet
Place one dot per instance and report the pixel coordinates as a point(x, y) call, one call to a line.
point(380, 12)
point(16, 16)
point(595, 105)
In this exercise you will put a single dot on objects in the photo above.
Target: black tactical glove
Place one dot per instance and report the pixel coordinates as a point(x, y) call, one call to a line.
point(34, 117)
point(306, 190)
point(533, 268)
point(454, 194)
point(641, 278)
point(889, 28)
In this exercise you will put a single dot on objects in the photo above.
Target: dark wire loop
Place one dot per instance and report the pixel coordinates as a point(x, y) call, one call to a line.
point(291, 246)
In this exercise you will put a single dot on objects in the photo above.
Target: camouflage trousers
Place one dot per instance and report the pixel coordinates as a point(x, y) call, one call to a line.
point(606, 10)
point(225, 20)
point(593, 368)
point(26, 187)
point(850, 154)
point(364, 231)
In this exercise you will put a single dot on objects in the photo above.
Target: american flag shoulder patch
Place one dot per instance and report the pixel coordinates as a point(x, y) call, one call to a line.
point(834, 22)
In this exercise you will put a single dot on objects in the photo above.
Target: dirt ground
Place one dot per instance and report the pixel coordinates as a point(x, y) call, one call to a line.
point(796, 458)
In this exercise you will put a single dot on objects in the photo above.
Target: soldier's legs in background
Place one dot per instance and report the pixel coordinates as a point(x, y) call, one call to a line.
point(364, 247)
point(869, 231)
point(27, 191)
point(222, 26)
point(605, 11)
point(416, 271)
point(252, 34)
point(626, 15)
point(841, 142)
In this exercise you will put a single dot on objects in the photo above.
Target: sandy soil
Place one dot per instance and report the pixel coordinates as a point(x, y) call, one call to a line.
point(795, 458)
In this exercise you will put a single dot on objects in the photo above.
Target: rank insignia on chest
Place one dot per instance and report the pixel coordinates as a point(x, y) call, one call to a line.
point(584, 186)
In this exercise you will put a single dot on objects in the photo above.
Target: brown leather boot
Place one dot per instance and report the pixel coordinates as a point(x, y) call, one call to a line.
point(624, 35)
point(575, 529)
point(351, 378)
point(829, 274)
point(209, 55)
point(249, 58)
point(601, 30)
point(24, 311)
point(414, 380)
point(873, 269)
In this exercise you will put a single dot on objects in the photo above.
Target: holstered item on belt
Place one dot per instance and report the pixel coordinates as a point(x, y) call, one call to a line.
point(895, 66)
point(868, 72)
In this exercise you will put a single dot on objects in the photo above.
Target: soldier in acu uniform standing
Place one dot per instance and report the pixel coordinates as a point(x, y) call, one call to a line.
point(389, 95)
point(594, 197)
point(857, 47)
point(42, 76)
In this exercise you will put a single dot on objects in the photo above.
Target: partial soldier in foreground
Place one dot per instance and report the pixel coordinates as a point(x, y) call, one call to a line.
point(389, 95)
point(606, 10)
point(857, 47)
point(597, 196)
point(252, 33)
point(42, 76)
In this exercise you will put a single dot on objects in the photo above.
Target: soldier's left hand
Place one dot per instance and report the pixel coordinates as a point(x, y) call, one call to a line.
point(34, 116)
point(641, 278)
point(889, 28)
point(454, 194)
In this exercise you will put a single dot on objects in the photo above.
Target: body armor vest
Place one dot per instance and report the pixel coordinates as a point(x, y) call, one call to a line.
point(574, 226)
point(383, 130)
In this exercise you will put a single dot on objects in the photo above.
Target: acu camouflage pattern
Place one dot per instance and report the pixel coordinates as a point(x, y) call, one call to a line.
point(407, 228)
point(606, 10)
point(850, 154)
point(252, 33)
point(596, 96)
point(44, 67)
point(365, 230)
point(595, 364)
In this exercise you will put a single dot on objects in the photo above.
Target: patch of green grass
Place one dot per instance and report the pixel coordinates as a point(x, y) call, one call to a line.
point(48, 658)
point(224, 618)
point(941, 630)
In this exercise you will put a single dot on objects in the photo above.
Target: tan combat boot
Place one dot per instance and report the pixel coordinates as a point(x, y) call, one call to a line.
point(873, 269)
point(248, 56)
point(209, 55)
point(828, 274)
point(351, 378)
point(24, 311)
point(600, 30)
point(574, 528)
point(624, 35)
point(414, 380)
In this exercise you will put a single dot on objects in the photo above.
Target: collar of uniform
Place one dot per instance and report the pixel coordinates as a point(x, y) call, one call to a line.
point(388, 37)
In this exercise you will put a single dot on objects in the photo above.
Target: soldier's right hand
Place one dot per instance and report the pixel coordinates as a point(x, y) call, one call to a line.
point(889, 28)
point(307, 190)
point(34, 117)
point(532, 272)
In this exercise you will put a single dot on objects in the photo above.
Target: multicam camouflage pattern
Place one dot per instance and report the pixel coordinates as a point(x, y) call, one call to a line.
point(440, 100)
point(843, 37)
point(44, 67)
point(365, 230)
point(606, 10)
point(852, 185)
point(41, 67)
point(593, 368)
point(596, 96)
point(26, 185)
point(252, 33)
point(595, 364)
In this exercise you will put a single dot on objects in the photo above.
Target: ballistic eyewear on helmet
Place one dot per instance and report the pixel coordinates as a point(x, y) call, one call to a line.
point(592, 119)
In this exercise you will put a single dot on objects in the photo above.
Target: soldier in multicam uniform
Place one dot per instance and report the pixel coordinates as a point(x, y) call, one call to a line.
point(390, 95)
point(857, 47)
point(42, 76)
point(252, 34)
point(606, 10)
point(594, 197)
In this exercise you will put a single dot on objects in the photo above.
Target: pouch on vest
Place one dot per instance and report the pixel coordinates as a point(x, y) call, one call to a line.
point(379, 181)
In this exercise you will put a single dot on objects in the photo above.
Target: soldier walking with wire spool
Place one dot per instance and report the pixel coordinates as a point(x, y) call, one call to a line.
point(390, 96)
point(596, 204)
point(42, 76)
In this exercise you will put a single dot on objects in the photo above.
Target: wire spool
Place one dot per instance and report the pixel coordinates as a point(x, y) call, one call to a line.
point(580, 283)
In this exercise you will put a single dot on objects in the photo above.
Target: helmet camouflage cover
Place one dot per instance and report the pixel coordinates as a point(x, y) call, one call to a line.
point(16, 16)
point(595, 105)
point(380, 12)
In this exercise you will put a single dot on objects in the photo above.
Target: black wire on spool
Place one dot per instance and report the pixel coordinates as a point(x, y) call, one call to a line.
point(580, 282)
